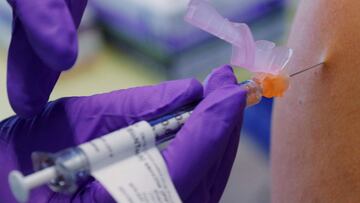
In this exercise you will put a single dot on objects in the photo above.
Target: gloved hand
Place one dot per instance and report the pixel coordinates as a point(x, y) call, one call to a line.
point(44, 43)
point(199, 159)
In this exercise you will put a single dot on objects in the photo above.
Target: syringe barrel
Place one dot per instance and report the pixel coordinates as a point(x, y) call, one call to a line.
point(118, 145)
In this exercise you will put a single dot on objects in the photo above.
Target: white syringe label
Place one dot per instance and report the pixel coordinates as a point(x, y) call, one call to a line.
point(131, 168)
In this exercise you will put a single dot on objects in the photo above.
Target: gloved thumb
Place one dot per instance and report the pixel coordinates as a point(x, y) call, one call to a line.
point(202, 141)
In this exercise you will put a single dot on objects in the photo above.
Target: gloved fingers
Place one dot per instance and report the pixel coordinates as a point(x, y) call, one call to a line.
point(214, 183)
point(219, 77)
point(220, 177)
point(100, 114)
point(50, 27)
point(29, 80)
point(43, 43)
point(200, 194)
point(203, 139)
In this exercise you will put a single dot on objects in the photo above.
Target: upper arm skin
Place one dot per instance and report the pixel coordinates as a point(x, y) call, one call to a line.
point(316, 125)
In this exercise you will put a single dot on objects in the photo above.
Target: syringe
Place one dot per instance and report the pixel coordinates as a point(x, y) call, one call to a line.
point(63, 170)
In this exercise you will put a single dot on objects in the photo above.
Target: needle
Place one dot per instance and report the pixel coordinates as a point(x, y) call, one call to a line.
point(306, 69)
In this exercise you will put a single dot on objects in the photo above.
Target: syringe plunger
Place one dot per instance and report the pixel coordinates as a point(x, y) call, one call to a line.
point(21, 185)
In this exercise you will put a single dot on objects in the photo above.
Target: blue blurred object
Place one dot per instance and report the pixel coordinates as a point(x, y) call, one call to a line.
point(257, 124)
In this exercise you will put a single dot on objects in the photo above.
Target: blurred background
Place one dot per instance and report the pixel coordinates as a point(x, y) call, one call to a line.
point(146, 42)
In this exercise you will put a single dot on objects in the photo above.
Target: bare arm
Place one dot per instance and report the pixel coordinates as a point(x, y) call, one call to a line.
point(316, 129)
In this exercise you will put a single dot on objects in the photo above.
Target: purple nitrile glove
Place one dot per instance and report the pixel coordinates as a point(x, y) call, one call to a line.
point(201, 156)
point(199, 159)
point(44, 43)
